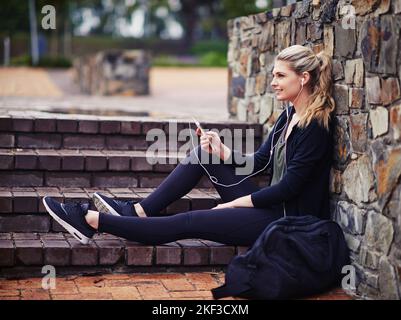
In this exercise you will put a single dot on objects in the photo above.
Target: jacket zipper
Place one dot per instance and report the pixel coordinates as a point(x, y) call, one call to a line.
point(285, 161)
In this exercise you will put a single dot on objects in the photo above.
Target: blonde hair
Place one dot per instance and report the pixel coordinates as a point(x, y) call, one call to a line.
point(321, 103)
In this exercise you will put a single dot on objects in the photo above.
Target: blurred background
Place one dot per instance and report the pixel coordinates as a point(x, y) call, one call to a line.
point(177, 32)
point(48, 70)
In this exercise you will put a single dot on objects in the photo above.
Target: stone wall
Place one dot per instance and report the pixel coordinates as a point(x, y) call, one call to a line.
point(365, 178)
point(114, 72)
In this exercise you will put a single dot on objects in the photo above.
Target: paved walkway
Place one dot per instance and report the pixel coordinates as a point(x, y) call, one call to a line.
point(175, 92)
point(158, 286)
point(27, 82)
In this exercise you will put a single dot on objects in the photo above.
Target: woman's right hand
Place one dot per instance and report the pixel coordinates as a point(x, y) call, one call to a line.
point(210, 142)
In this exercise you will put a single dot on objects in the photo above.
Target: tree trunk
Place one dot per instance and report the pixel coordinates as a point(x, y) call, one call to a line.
point(190, 20)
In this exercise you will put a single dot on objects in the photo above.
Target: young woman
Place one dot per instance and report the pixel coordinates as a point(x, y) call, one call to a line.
point(301, 150)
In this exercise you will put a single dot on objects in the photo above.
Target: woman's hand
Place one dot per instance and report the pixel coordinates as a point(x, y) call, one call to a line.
point(245, 201)
point(224, 205)
point(211, 142)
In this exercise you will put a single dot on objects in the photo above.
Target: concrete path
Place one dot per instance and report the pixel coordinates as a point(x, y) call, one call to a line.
point(175, 93)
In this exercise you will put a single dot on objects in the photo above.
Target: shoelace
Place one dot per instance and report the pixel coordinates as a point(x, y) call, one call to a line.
point(73, 206)
point(124, 202)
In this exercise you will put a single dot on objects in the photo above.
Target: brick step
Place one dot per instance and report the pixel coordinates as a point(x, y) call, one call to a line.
point(87, 160)
point(94, 179)
point(22, 210)
point(88, 168)
point(55, 131)
point(21, 251)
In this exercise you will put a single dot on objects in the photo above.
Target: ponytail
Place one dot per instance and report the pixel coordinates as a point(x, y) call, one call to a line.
point(321, 103)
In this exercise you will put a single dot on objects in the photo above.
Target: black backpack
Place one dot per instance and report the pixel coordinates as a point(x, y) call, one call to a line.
point(294, 256)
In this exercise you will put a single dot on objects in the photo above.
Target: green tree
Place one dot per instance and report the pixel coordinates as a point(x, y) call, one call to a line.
point(14, 17)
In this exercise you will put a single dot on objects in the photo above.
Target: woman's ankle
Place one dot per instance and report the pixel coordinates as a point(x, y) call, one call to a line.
point(139, 210)
point(92, 218)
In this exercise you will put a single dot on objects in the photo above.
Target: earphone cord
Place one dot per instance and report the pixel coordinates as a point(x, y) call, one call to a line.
point(214, 179)
point(302, 87)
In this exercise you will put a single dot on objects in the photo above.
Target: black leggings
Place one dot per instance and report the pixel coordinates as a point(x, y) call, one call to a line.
point(232, 226)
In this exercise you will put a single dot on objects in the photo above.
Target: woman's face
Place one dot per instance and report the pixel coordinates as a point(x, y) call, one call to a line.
point(286, 83)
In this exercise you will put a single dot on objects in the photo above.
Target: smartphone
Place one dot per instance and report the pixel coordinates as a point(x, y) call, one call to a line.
point(198, 125)
point(202, 131)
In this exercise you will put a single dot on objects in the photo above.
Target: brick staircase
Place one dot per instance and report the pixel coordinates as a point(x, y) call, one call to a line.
point(69, 158)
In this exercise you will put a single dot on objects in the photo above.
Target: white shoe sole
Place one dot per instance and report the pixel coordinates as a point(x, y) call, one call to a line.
point(103, 206)
point(74, 232)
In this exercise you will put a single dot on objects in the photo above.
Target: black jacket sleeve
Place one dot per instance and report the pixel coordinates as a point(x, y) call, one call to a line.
point(311, 147)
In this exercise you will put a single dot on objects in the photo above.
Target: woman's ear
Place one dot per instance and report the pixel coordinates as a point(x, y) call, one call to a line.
point(305, 77)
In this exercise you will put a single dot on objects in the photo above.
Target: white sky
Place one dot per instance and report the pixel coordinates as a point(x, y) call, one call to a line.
point(261, 4)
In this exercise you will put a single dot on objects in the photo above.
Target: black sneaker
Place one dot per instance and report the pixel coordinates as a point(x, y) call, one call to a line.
point(72, 217)
point(113, 206)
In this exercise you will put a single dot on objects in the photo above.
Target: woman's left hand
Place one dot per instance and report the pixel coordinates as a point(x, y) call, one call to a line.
point(224, 205)
point(245, 201)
